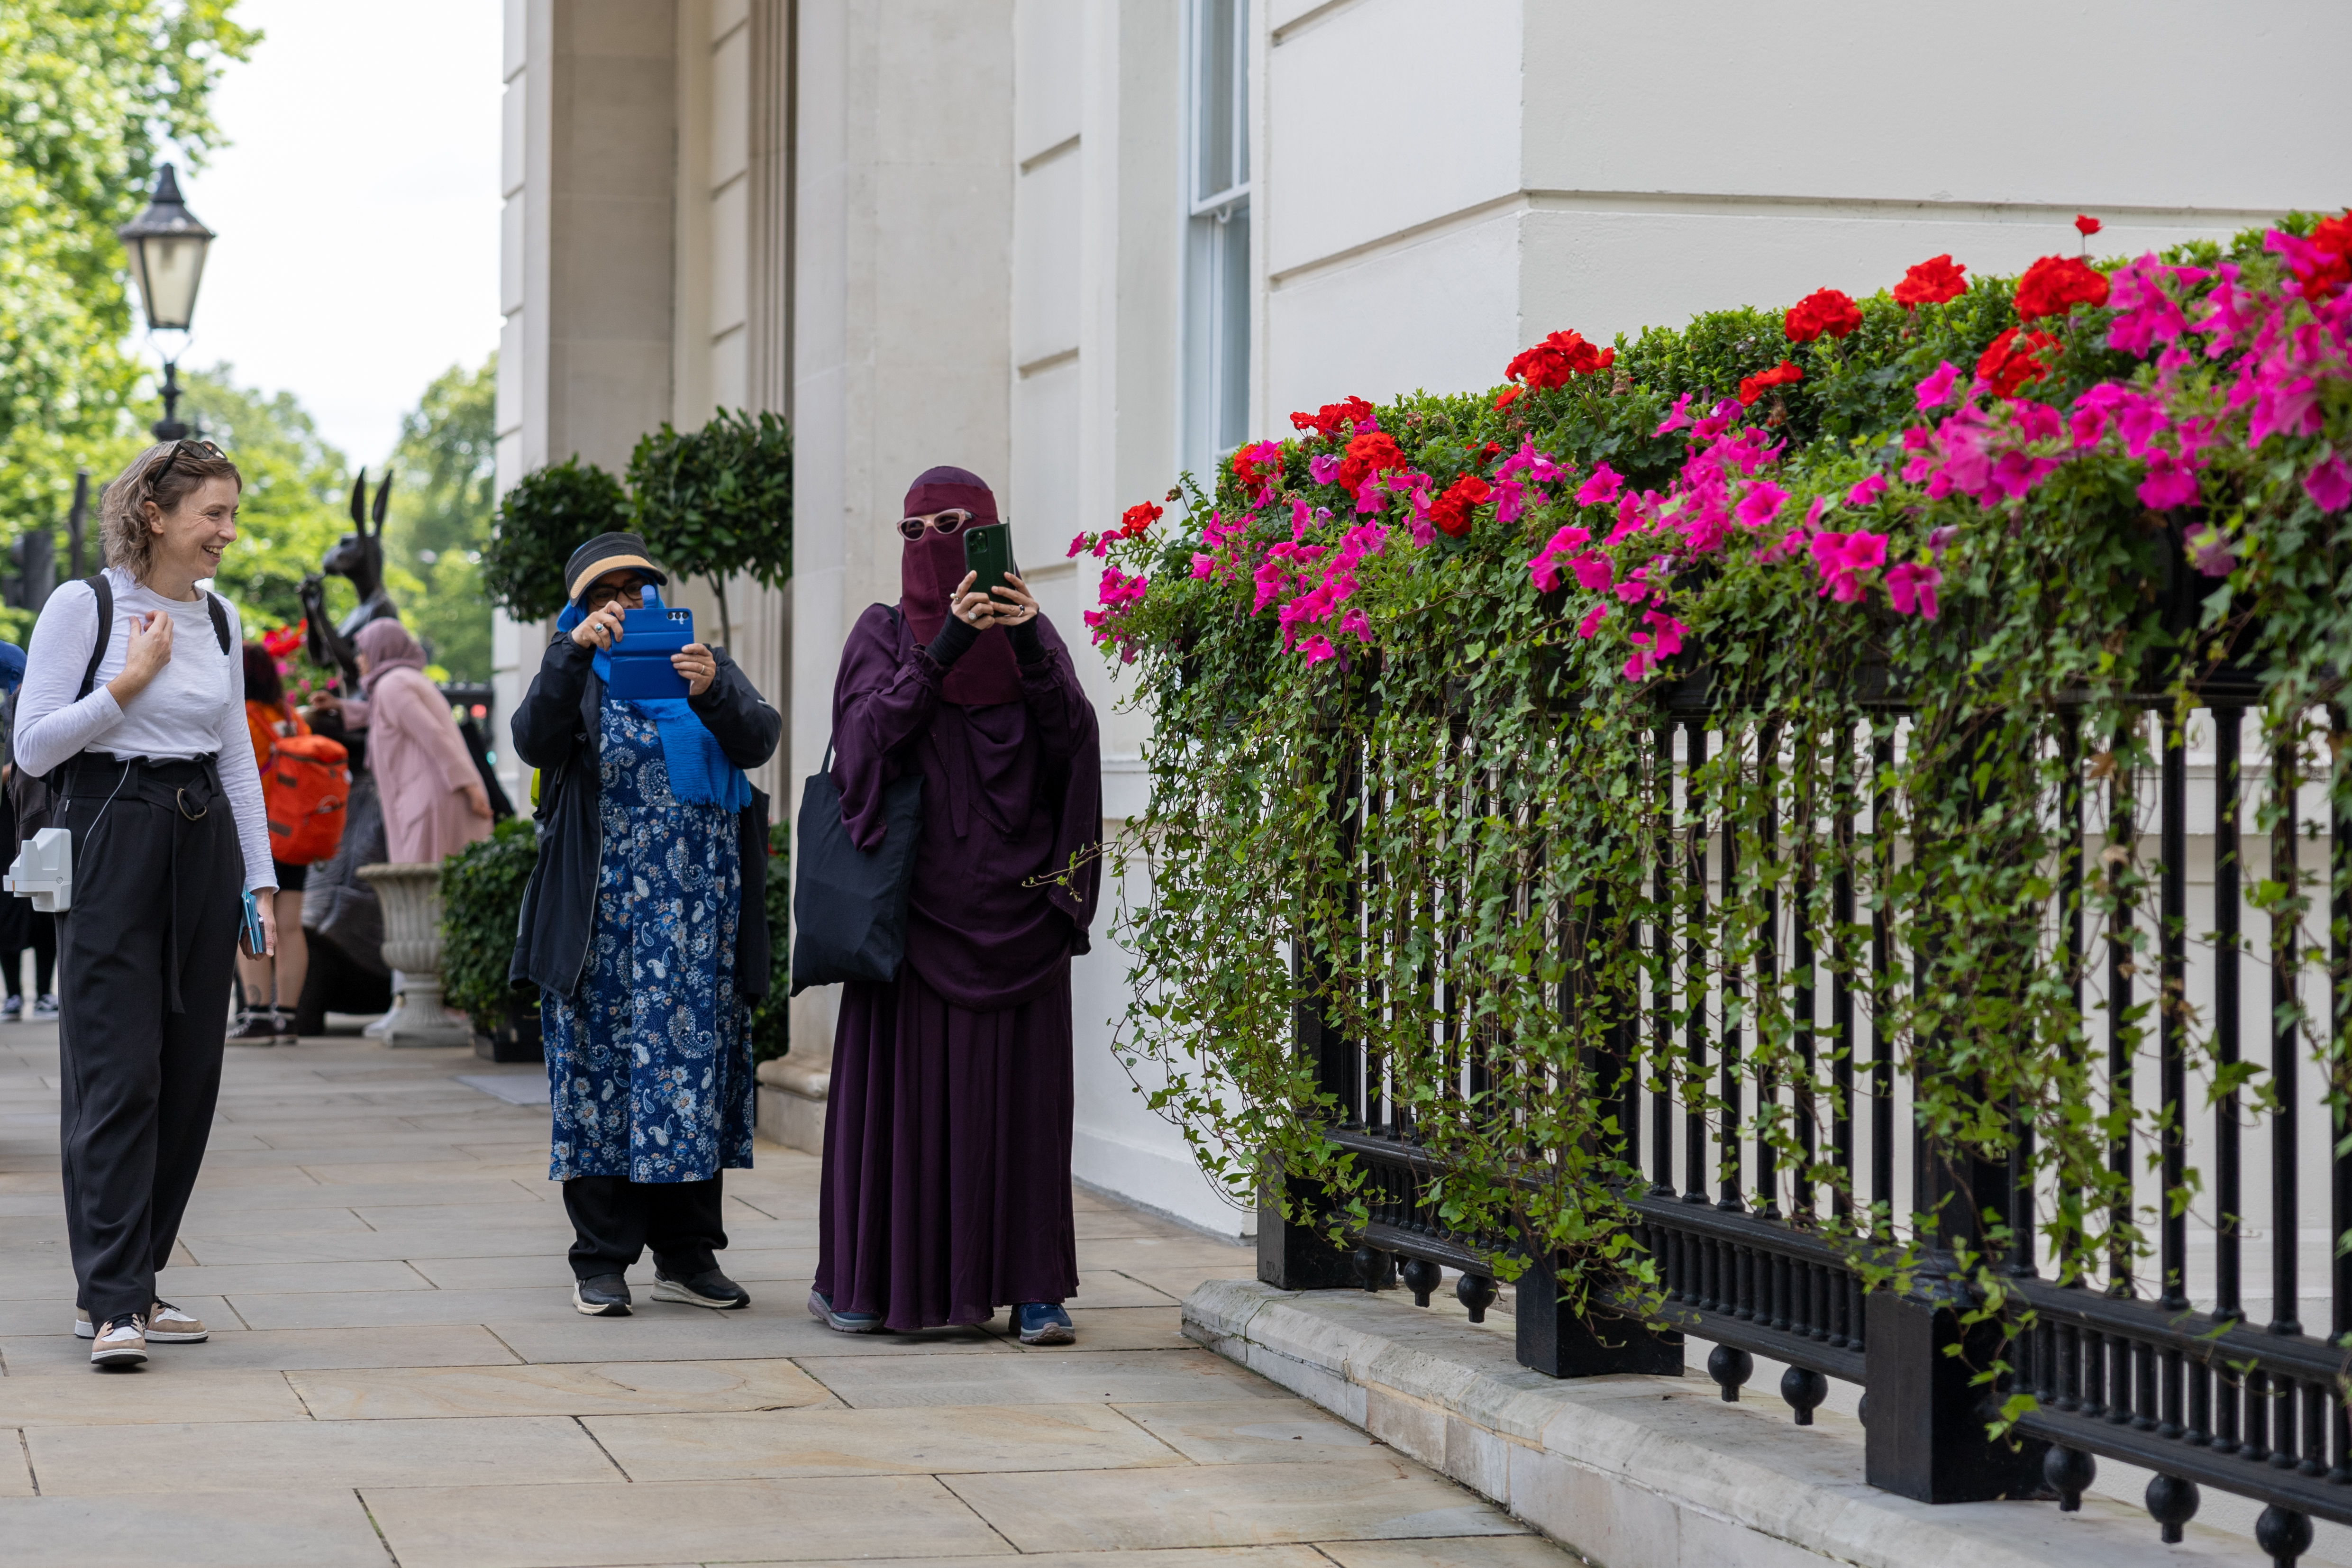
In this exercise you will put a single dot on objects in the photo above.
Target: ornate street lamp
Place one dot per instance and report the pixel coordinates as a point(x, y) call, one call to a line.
point(167, 247)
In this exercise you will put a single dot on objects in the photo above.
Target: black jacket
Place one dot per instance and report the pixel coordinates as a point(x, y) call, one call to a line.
point(556, 731)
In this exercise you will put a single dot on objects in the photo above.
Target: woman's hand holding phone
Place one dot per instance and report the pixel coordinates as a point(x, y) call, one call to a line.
point(981, 610)
point(602, 628)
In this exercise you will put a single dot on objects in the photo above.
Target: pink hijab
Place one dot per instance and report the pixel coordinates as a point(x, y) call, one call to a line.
point(388, 647)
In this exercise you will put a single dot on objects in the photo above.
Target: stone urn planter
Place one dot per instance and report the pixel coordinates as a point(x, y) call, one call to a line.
point(411, 897)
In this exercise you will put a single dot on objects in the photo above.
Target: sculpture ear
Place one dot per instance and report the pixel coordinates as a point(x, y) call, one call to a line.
point(382, 499)
point(359, 501)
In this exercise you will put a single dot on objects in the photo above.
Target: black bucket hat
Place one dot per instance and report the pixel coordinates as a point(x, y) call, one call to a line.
point(608, 552)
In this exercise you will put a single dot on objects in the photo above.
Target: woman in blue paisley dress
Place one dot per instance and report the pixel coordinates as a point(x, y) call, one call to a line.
point(645, 929)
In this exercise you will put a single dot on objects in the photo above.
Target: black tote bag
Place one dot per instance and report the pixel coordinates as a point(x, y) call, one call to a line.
point(849, 908)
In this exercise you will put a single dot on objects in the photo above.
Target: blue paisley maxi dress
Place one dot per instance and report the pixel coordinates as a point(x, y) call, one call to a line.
point(650, 1066)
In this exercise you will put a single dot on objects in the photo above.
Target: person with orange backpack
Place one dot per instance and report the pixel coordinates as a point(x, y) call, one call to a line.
point(304, 785)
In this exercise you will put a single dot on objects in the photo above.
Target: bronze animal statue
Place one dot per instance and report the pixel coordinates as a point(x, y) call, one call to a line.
point(359, 557)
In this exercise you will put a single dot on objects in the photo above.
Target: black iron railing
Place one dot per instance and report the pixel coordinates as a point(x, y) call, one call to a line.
point(2170, 1372)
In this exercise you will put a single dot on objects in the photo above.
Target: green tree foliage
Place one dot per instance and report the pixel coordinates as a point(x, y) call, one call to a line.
point(442, 501)
point(295, 502)
point(540, 523)
point(718, 502)
point(90, 94)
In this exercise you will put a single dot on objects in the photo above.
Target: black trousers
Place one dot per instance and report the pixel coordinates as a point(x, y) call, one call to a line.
point(146, 953)
point(615, 1220)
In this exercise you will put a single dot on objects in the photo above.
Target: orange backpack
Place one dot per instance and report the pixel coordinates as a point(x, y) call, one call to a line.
point(303, 790)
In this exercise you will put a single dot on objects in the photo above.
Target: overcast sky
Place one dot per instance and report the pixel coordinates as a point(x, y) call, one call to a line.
point(357, 207)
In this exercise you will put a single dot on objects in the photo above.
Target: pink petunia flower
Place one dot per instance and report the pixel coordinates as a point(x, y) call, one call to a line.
point(1867, 491)
point(2329, 483)
point(1605, 486)
point(1913, 588)
point(1592, 621)
point(1934, 392)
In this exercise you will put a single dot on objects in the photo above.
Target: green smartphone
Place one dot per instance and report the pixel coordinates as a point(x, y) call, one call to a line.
point(988, 550)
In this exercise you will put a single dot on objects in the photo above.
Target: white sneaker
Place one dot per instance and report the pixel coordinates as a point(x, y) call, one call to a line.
point(44, 1006)
point(121, 1342)
point(166, 1325)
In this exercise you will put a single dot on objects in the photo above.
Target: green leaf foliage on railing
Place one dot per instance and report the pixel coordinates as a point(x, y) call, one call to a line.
point(1925, 561)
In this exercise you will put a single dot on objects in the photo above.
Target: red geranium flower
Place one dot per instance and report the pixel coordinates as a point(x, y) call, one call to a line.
point(2086, 226)
point(1451, 512)
point(1334, 418)
point(2007, 364)
point(1551, 362)
point(1752, 387)
point(285, 640)
point(1373, 452)
point(2056, 284)
point(2331, 238)
point(1932, 282)
point(1257, 466)
point(1822, 311)
point(1136, 518)
point(1508, 396)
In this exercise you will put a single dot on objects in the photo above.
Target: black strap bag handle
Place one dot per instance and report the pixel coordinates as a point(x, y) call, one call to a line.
point(849, 906)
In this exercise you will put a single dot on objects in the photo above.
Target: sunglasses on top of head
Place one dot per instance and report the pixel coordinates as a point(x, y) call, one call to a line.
point(953, 521)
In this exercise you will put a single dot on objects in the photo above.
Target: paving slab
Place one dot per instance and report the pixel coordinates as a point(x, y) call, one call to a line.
point(183, 1395)
point(1380, 1495)
point(313, 1528)
point(834, 1442)
point(550, 1300)
point(1115, 1329)
point(277, 1349)
point(268, 1455)
point(392, 1244)
point(713, 1521)
point(663, 1332)
point(1108, 1377)
point(54, 1313)
point(1200, 1557)
point(609, 1388)
point(1245, 1431)
point(1458, 1551)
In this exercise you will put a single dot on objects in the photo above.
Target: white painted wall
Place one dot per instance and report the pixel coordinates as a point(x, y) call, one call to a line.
point(986, 261)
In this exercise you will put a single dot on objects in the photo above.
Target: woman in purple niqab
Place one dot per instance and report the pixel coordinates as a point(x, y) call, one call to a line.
point(947, 1149)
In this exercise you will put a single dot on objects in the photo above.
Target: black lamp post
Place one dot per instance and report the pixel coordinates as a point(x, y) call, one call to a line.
point(167, 247)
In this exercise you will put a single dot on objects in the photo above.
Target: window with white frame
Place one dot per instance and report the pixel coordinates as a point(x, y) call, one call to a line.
point(1217, 232)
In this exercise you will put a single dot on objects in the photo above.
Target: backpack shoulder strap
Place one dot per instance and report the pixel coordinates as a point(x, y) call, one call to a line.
point(219, 613)
point(104, 590)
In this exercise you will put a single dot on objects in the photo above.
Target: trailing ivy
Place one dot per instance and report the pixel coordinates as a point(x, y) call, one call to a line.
point(1933, 569)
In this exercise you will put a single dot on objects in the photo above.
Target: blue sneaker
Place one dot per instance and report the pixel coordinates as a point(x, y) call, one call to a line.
point(1043, 1323)
point(846, 1323)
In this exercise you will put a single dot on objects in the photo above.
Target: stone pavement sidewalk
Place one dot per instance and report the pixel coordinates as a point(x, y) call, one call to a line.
point(396, 1375)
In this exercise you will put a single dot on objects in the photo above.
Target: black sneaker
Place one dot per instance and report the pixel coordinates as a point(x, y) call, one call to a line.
point(710, 1288)
point(606, 1296)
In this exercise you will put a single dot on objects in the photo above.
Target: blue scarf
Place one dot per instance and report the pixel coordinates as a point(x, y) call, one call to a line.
point(700, 772)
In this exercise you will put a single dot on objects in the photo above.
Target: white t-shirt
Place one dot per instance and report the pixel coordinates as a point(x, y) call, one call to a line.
point(194, 708)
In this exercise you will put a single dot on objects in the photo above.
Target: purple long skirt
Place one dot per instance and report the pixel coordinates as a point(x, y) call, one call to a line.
point(947, 1157)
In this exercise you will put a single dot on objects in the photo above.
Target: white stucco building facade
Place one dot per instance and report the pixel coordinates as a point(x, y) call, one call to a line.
point(1078, 245)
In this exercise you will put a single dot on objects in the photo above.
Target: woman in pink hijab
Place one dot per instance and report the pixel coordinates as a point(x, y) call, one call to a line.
point(434, 803)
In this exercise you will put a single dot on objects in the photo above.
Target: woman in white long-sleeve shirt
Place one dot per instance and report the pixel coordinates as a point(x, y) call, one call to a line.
point(164, 840)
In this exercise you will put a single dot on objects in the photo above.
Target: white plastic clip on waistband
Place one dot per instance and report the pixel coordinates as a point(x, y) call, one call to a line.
point(43, 871)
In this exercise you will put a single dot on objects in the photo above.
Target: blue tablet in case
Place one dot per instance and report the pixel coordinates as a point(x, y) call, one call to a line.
point(640, 660)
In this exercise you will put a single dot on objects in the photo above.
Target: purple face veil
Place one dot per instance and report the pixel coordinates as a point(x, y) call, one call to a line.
point(929, 570)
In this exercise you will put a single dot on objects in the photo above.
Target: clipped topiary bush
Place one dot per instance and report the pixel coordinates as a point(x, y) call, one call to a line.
point(539, 523)
point(481, 904)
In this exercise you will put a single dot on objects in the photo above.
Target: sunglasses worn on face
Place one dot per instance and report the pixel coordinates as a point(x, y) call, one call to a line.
point(951, 522)
point(603, 593)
